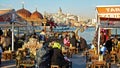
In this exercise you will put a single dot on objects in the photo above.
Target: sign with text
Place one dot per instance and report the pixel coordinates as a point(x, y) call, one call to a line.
point(108, 11)
point(109, 15)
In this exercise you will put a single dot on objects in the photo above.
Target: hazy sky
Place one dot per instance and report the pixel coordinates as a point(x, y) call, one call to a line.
point(78, 7)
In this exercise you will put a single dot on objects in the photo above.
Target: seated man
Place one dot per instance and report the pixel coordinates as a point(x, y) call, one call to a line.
point(103, 49)
point(56, 56)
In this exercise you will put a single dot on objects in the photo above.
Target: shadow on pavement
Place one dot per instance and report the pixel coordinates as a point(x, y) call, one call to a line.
point(8, 64)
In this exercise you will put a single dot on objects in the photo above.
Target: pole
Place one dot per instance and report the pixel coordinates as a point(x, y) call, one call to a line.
point(45, 27)
point(98, 40)
point(12, 36)
point(18, 32)
point(13, 19)
point(116, 31)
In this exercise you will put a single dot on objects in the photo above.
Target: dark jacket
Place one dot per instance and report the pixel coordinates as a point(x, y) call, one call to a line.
point(83, 43)
point(73, 41)
point(109, 45)
point(57, 57)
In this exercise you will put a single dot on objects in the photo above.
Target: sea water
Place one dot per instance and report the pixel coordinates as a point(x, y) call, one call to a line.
point(88, 34)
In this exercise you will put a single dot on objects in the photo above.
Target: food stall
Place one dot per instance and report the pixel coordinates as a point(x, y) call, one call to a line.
point(108, 18)
point(108, 25)
point(10, 19)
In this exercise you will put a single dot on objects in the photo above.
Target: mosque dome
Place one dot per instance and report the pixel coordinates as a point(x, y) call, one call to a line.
point(24, 13)
point(36, 15)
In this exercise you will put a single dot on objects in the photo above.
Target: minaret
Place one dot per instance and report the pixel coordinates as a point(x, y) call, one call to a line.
point(60, 10)
point(23, 5)
point(45, 14)
point(36, 10)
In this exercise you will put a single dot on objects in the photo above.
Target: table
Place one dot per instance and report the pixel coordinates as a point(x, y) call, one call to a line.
point(27, 63)
point(7, 55)
point(99, 64)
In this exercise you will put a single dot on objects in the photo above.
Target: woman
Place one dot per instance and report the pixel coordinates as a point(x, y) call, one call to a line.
point(66, 41)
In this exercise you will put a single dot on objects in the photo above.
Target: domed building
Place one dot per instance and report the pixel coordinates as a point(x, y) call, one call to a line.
point(36, 15)
point(34, 18)
point(24, 13)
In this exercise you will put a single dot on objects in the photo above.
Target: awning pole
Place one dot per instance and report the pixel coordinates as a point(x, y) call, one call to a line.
point(13, 19)
point(12, 36)
point(98, 40)
point(116, 31)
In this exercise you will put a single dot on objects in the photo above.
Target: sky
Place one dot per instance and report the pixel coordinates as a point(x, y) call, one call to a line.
point(85, 8)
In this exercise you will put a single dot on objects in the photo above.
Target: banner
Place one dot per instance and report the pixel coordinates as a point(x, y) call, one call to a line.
point(109, 15)
point(108, 11)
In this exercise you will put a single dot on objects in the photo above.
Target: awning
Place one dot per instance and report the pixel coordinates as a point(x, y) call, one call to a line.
point(109, 16)
point(6, 18)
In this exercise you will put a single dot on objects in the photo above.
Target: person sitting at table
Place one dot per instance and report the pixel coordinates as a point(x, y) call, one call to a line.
point(56, 56)
point(109, 44)
point(66, 41)
point(41, 58)
point(73, 40)
point(103, 49)
point(92, 46)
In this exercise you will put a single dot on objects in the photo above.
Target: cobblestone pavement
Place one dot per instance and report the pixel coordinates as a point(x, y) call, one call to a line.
point(78, 61)
point(8, 64)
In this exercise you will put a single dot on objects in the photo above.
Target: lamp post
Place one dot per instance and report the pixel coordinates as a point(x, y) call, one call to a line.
point(44, 23)
point(32, 22)
point(12, 22)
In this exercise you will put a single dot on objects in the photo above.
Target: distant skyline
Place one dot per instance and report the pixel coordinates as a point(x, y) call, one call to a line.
point(85, 8)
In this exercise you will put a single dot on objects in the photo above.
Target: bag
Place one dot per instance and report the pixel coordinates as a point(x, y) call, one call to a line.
point(42, 37)
point(67, 44)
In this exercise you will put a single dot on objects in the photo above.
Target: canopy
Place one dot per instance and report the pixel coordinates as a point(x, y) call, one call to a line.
point(108, 16)
point(9, 17)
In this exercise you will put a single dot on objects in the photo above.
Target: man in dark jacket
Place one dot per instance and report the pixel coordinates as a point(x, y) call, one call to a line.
point(83, 43)
point(73, 40)
point(56, 56)
point(109, 44)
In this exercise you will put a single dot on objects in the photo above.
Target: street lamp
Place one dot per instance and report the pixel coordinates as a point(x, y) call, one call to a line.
point(32, 23)
point(44, 23)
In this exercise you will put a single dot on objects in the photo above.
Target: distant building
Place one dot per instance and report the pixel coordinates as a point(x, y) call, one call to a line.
point(67, 19)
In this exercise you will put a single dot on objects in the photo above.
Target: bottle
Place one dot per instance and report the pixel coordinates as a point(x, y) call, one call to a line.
point(9, 49)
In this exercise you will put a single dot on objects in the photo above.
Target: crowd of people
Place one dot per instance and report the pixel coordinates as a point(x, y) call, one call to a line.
point(107, 43)
point(52, 46)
